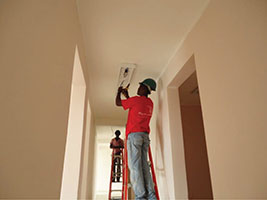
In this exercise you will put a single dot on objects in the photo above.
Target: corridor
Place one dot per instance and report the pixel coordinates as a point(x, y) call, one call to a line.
point(61, 62)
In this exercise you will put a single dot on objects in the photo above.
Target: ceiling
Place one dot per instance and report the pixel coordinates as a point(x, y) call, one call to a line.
point(144, 32)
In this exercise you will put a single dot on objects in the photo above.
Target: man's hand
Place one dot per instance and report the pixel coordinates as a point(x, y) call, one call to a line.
point(118, 97)
point(125, 93)
point(120, 89)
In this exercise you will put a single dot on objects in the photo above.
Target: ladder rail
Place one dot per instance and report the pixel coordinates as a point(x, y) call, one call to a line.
point(114, 175)
point(125, 173)
point(153, 173)
point(122, 158)
point(111, 172)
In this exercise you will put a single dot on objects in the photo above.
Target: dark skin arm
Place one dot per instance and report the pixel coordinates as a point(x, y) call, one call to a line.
point(118, 97)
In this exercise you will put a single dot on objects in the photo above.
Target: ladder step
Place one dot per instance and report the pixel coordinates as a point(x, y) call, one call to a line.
point(115, 198)
point(116, 190)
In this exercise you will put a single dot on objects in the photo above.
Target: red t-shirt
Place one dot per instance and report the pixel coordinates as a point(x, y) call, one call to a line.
point(139, 115)
point(117, 143)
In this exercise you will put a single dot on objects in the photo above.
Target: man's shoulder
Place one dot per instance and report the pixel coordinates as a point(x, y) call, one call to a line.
point(133, 97)
point(147, 100)
point(130, 99)
point(141, 98)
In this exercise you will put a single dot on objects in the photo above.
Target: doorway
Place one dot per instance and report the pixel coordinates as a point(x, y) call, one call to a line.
point(73, 147)
point(195, 150)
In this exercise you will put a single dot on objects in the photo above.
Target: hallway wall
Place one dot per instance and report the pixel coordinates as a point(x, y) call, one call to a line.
point(37, 46)
point(86, 187)
point(229, 45)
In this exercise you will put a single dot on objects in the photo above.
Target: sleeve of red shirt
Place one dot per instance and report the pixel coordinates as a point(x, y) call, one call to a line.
point(128, 103)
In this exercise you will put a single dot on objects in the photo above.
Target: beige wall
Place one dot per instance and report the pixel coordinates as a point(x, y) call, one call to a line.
point(37, 46)
point(87, 168)
point(229, 45)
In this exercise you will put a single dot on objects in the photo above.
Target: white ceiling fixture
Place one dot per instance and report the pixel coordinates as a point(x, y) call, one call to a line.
point(126, 73)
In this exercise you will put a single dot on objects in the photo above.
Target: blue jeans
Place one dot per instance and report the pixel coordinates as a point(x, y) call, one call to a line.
point(141, 180)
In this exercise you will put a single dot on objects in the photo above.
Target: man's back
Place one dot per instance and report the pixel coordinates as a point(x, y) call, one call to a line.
point(140, 112)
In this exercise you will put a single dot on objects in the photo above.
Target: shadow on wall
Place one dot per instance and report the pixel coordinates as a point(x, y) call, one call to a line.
point(160, 169)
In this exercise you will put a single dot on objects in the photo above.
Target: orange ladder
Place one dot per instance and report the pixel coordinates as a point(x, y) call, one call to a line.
point(114, 175)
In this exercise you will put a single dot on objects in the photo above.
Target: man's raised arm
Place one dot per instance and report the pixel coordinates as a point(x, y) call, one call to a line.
point(118, 97)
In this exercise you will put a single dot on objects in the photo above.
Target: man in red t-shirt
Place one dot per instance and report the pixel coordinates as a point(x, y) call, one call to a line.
point(117, 145)
point(137, 134)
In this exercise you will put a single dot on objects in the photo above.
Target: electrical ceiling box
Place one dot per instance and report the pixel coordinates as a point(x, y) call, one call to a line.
point(126, 73)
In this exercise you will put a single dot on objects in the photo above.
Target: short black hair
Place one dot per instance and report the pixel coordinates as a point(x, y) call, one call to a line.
point(117, 132)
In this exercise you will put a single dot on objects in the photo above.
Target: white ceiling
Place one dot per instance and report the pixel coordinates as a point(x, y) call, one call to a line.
point(144, 32)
